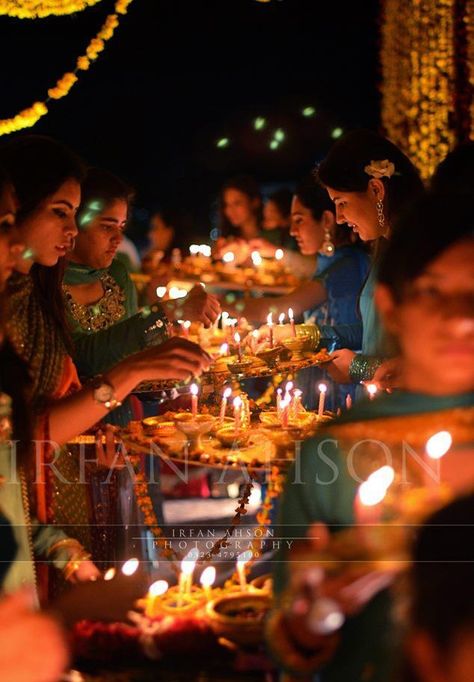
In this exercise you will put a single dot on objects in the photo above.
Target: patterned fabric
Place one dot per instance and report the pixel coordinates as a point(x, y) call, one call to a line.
point(34, 338)
point(108, 310)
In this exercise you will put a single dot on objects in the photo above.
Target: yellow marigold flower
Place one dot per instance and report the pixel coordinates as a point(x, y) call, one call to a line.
point(83, 63)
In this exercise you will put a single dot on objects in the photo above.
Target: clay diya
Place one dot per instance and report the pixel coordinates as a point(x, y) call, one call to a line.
point(239, 617)
point(194, 427)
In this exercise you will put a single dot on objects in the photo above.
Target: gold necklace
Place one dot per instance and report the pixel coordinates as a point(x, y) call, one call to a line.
point(103, 314)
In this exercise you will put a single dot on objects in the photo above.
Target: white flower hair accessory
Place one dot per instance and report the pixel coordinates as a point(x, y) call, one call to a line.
point(380, 169)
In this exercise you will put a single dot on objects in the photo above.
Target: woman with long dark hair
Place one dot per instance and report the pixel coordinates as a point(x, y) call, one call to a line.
point(371, 183)
point(47, 176)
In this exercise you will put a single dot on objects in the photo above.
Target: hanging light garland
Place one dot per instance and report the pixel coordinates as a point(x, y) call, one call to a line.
point(28, 117)
point(38, 9)
point(420, 77)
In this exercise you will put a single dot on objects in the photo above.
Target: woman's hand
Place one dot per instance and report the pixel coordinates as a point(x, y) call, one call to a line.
point(177, 358)
point(349, 591)
point(33, 645)
point(107, 454)
point(86, 570)
point(338, 368)
point(388, 375)
point(197, 306)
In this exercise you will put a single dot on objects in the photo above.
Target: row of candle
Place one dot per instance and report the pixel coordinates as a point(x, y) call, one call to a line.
point(257, 260)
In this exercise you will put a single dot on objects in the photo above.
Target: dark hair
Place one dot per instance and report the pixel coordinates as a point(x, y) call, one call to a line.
point(248, 186)
point(343, 169)
point(38, 166)
point(103, 187)
point(282, 200)
point(443, 572)
point(316, 199)
point(422, 234)
point(455, 175)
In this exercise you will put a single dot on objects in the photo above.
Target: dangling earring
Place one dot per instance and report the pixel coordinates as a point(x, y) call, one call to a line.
point(327, 247)
point(380, 215)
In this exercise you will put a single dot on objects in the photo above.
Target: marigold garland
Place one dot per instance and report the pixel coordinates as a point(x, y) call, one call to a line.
point(30, 116)
point(146, 506)
point(420, 77)
point(38, 9)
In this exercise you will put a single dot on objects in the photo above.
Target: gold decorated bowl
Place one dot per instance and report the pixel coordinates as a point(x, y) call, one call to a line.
point(240, 367)
point(229, 437)
point(239, 617)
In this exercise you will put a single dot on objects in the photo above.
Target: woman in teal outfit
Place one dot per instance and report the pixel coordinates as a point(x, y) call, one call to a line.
point(105, 321)
point(371, 182)
point(425, 297)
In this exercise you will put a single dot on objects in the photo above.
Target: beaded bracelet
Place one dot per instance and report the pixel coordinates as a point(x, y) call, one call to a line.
point(363, 367)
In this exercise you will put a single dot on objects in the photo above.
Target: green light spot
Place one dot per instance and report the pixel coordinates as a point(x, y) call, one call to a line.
point(240, 307)
point(279, 135)
point(273, 309)
point(86, 218)
point(259, 123)
point(308, 112)
point(27, 253)
point(95, 205)
point(223, 143)
point(230, 298)
point(274, 144)
point(337, 132)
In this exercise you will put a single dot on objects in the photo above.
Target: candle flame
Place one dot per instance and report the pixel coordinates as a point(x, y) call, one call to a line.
point(161, 291)
point(237, 337)
point(438, 445)
point(279, 254)
point(228, 257)
point(237, 402)
point(130, 566)
point(224, 349)
point(244, 557)
point(256, 258)
point(290, 313)
point(227, 392)
point(194, 249)
point(189, 561)
point(208, 576)
point(289, 386)
point(186, 324)
point(322, 388)
point(158, 588)
point(374, 489)
point(281, 318)
point(372, 389)
point(255, 333)
point(109, 574)
point(194, 389)
point(269, 320)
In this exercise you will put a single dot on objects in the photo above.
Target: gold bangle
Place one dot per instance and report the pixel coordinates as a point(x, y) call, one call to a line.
point(66, 543)
point(74, 564)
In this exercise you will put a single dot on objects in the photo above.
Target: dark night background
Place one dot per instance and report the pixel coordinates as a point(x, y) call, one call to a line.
point(180, 74)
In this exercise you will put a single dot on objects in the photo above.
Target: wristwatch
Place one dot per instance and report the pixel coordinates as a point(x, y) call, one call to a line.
point(104, 392)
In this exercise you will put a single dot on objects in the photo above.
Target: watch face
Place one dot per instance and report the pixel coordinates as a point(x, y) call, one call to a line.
point(104, 393)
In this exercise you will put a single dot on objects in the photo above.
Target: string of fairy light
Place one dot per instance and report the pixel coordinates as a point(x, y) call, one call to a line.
point(277, 136)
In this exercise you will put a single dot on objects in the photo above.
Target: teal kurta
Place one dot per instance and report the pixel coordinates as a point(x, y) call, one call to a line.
point(95, 352)
point(314, 493)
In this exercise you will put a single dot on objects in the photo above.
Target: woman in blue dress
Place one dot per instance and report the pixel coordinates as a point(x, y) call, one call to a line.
point(330, 298)
point(371, 182)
